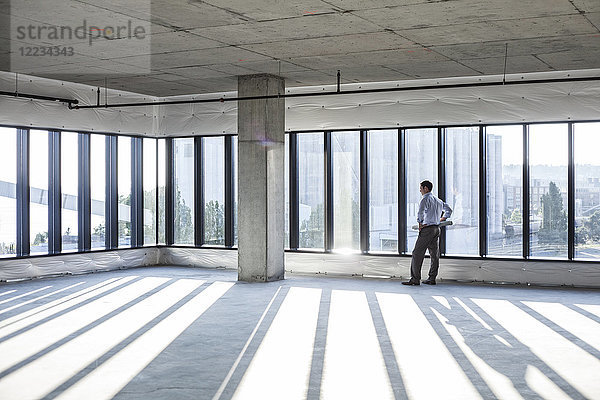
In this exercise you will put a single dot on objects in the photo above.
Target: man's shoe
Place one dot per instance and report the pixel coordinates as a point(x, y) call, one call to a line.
point(429, 281)
point(411, 283)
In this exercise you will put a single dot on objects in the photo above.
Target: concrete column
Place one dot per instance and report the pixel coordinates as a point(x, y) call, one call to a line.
point(261, 125)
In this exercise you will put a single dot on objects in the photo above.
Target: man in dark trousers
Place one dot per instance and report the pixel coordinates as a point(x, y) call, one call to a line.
point(429, 218)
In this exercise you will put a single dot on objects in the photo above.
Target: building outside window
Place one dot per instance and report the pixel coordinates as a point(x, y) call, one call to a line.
point(504, 182)
point(383, 190)
point(421, 164)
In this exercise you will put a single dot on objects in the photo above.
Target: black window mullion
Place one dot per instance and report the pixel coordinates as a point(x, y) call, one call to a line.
point(112, 195)
point(156, 195)
point(442, 180)
point(84, 202)
point(364, 192)
point(482, 193)
point(571, 194)
point(294, 192)
point(525, 198)
point(229, 185)
point(328, 159)
point(137, 193)
point(402, 208)
point(54, 193)
point(169, 194)
point(22, 194)
point(198, 191)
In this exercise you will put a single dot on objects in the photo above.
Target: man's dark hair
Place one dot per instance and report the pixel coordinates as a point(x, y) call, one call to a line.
point(428, 185)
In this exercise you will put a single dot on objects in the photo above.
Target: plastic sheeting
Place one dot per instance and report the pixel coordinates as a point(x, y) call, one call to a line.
point(56, 115)
point(482, 270)
point(78, 263)
point(570, 101)
point(476, 105)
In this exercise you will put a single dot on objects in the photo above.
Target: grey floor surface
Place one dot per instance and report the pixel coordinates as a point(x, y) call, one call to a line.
point(502, 341)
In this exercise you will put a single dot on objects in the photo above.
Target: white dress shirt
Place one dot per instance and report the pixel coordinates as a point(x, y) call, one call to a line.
point(430, 210)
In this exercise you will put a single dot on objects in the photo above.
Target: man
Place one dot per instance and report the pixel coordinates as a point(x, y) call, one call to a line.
point(429, 218)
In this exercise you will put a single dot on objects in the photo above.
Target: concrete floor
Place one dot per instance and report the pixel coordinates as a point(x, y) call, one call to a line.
point(190, 333)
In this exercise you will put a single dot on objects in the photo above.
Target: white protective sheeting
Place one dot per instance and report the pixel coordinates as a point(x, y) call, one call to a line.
point(56, 115)
point(546, 102)
point(78, 263)
point(475, 270)
point(210, 258)
point(498, 104)
point(483, 270)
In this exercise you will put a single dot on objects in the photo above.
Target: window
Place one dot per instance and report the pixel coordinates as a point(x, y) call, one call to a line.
point(383, 191)
point(346, 190)
point(234, 150)
point(98, 189)
point(587, 190)
point(162, 154)
point(214, 190)
point(286, 190)
point(421, 164)
point(548, 181)
point(504, 180)
point(149, 176)
point(8, 191)
point(183, 185)
point(124, 186)
point(69, 185)
point(311, 190)
point(38, 191)
point(462, 189)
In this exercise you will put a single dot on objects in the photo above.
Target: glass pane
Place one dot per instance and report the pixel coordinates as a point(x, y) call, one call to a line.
point(421, 165)
point(124, 184)
point(149, 171)
point(98, 189)
point(548, 188)
point(162, 162)
point(462, 190)
point(38, 191)
point(383, 188)
point(286, 189)
point(8, 191)
point(69, 186)
point(234, 146)
point(214, 190)
point(311, 190)
point(504, 180)
point(183, 182)
point(587, 190)
point(346, 190)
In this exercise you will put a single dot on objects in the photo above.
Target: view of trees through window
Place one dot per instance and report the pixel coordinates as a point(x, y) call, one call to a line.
point(214, 190)
point(548, 159)
point(183, 182)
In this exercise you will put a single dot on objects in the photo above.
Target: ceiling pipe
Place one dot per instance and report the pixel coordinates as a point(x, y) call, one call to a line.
point(70, 102)
point(336, 93)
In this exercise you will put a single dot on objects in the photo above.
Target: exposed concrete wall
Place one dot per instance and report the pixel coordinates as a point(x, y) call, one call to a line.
point(261, 180)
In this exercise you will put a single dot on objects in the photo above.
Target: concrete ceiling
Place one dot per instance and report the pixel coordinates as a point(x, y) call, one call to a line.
point(200, 46)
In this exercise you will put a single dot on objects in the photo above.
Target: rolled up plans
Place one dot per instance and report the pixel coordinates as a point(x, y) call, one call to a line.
point(443, 223)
